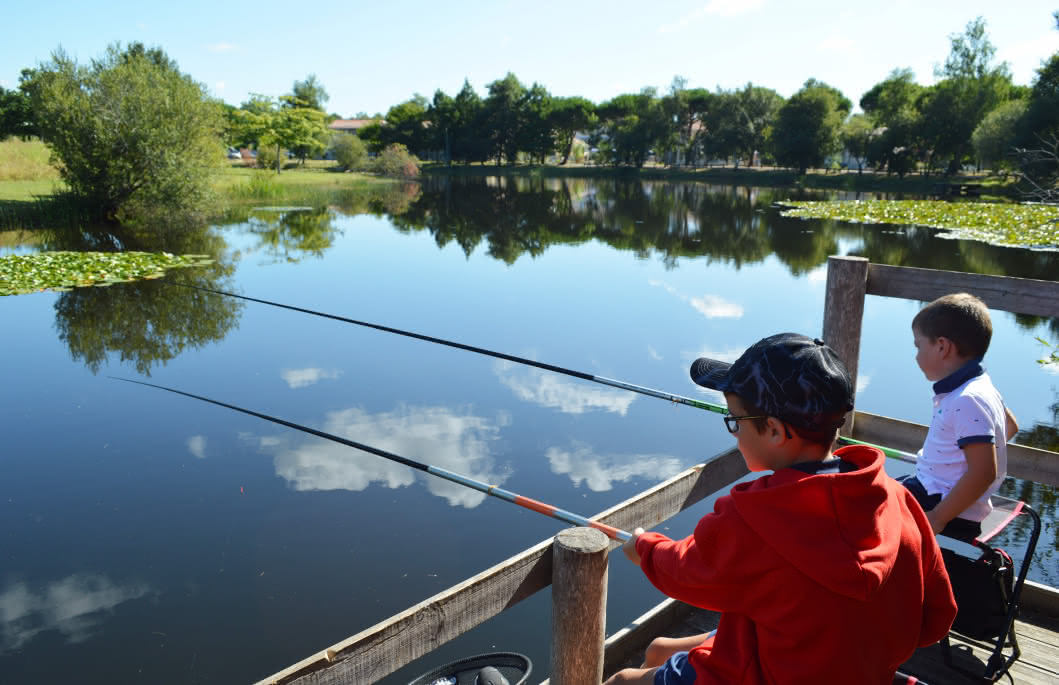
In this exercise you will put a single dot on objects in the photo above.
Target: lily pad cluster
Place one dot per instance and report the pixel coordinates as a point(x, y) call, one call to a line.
point(1014, 225)
point(21, 274)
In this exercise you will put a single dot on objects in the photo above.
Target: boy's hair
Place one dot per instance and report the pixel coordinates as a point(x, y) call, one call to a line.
point(825, 437)
point(796, 379)
point(960, 317)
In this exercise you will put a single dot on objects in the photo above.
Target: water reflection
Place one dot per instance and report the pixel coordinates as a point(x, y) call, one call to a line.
point(197, 446)
point(710, 306)
point(293, 234)
point(435, 435)
point(303, 378)
point(146, 323)
point(550, 390)
point(76, 606)
point(599, 472)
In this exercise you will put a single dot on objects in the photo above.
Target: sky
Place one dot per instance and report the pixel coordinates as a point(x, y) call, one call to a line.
point(373, 55)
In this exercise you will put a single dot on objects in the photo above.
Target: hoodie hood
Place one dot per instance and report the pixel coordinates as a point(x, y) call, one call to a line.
point(829, 526)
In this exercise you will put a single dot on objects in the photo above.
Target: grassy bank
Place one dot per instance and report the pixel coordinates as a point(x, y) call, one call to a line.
point(25, 161)
point(758, 176)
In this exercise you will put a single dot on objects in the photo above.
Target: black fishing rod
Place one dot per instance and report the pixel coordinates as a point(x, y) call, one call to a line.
point(493, 490)
point(650, 392)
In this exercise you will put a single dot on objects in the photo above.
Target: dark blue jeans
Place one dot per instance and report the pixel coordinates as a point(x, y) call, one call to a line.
point(958, 528)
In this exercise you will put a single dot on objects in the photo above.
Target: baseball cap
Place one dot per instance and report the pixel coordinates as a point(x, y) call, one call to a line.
point(797, 379)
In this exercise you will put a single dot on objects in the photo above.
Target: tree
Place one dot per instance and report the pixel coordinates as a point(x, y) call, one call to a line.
point(857, 134)
point(310, 93)
point(808, 126)
point(892, 107)
point(272, 122)
point(568, 116)
point(134, 136)
point(16, 112)
point(970, 87)
point(404, 125)
point(504, 117)
point(994, 138)
point(536, 137)
point(350, 152)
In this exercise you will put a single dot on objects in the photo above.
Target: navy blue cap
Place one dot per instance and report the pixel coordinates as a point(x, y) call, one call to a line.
point(797, 379)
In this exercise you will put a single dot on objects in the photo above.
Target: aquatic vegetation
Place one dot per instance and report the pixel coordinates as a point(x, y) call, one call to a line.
point(1013, 225)
point(61, 271)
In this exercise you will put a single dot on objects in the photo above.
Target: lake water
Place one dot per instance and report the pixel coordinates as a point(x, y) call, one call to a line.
point(147, 537)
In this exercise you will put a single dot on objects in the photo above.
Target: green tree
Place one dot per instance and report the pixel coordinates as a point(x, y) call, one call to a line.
point(857, 134)
point(971, 86)
point(310, 93)
point(405, 125)
point(892, 107)
point(16, 112)
point(536, 136)
point(134, 136)
point(568, 116)
point(504, 117)
point(273, 123)
point(808, 126)
point(350, 151)
point(994, 138)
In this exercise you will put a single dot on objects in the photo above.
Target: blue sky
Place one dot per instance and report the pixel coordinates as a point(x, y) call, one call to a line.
point(371, 55)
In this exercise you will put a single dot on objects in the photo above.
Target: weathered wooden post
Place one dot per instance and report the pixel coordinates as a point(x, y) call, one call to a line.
point(847, 280)
point(579, 606)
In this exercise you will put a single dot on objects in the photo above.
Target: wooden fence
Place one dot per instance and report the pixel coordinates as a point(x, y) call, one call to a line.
point(391, 644)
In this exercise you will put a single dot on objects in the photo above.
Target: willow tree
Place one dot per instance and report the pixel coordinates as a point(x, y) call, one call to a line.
point(133, 136)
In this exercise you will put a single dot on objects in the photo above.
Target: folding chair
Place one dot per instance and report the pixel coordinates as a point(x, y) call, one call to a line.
point(998, 632)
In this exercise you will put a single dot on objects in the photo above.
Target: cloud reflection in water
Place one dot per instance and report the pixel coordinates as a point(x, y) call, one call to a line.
point(600, 471)
point(75, 606)
point(433, 435)
point(547, 389)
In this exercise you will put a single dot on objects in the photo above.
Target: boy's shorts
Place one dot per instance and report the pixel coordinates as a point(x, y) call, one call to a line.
point(958, 528)
point(676, 671)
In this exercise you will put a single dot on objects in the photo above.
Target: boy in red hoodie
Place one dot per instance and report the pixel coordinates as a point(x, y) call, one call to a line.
point(824, 571)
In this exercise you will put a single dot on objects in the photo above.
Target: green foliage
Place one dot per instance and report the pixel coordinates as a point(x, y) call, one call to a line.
point(16, 114)
point(133, 136)
point(857, 134)
point(503, 118)
point(808, 126)
point(994, 138)
point(279, 123)
point(22, 274)
point(397, 162)
point(404, 125)
point(350, 152)
point(1051, 355)
point(999, 224)
point(567, 117)
point(310, 93)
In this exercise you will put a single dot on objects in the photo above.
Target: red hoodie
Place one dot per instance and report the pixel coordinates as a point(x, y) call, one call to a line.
point(826, 578)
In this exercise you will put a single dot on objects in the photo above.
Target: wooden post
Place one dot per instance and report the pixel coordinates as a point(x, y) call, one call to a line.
point(579, 606)
point(847, 280)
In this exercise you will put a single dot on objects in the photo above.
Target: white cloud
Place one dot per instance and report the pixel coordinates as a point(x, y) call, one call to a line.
point(599, 472)
point(432, 435)
point(221, 47)
point(863, 381)
point(719, 8)
point(710, 306)
point(197, 446)
point(300, 378)
point(713, 307)
point(75, 606)
point(570, 397)
point(653, 354)
point(818, 275)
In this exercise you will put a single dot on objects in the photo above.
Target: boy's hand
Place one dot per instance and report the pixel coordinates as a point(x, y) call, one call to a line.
point(629, 546)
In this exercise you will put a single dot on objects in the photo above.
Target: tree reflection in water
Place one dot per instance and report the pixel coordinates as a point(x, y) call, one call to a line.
point(145, 322)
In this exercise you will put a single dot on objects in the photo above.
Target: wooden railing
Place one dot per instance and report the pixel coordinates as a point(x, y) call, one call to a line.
point(387, 646)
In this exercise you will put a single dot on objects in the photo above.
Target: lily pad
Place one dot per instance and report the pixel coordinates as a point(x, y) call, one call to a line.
point(1013, 225)
point(61, 271)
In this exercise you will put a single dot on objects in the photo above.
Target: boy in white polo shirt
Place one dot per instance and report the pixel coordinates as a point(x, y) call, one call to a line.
point(964, 457)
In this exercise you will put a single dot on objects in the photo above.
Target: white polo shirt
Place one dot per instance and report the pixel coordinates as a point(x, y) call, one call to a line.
point(967, 410)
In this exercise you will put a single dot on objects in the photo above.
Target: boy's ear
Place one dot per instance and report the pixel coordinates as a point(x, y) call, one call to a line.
point(775, 430)
point(946, 347)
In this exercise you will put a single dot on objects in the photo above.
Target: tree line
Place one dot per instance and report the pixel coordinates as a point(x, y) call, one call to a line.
point(973, 114)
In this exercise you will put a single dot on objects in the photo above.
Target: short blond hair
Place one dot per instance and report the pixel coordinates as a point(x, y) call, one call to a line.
point(960, 317)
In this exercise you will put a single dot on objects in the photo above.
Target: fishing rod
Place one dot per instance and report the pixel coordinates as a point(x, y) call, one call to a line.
point(493, 490)
point(650, 392)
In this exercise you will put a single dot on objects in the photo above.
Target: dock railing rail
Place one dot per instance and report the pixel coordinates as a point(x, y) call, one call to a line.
point(397, 641)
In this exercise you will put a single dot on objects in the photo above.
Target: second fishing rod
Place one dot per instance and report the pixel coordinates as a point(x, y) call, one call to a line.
point(631, 387)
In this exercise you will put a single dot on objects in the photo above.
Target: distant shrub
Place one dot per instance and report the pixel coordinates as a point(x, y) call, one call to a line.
point(349, 150)
point(396, 161)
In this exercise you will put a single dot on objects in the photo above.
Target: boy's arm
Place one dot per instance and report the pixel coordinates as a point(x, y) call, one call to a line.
point(981, 472)
point(629, 546)
point(1011, 426)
